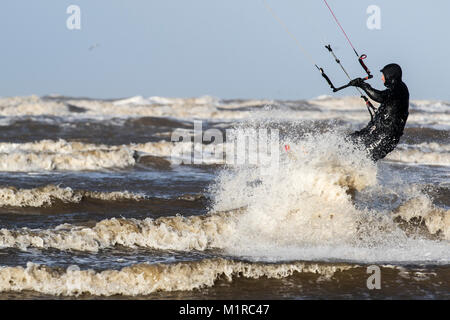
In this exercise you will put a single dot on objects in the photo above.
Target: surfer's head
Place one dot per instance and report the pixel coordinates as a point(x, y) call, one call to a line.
point(392, 73)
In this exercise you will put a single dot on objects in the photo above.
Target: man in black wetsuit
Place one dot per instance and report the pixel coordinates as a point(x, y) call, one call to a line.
point(382, 135)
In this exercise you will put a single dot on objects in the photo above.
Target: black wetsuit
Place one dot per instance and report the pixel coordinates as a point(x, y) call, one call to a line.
point(382, 135)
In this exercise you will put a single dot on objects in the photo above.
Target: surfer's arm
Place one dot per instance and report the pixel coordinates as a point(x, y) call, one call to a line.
point(374, 94)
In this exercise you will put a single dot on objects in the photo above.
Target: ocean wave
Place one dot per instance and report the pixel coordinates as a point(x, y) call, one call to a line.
point(420, 210)
point(430, 106)
point(305, 208)
point(424, 153)
point(31, 106)
point(48, 195)
point(144, 279)
point(427, 147)
point(62, 155)
point(77, 161)
point(139, 100)
point(310, 206)
point(175, 233)
point(347, 108)
point(188, 108)
point(50, 155)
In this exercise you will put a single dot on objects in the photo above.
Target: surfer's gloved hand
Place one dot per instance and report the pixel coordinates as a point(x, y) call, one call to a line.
point(358, 82)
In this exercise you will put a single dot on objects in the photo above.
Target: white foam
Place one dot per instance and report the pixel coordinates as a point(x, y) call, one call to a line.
point(304, 210)
point(301, 209)
point(430, 106)
point(49, 155)
point(48, 195)
point(143, 279)
point(424, 153)
point(349, 109)
point(83, 160)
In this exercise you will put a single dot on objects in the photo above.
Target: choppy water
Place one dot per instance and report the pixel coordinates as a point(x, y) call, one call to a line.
point(94, 204)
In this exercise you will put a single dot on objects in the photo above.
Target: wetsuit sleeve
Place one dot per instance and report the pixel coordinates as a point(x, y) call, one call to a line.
point(374, 94)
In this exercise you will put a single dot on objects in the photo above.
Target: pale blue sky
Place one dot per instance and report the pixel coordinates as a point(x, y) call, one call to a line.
point(223, 48)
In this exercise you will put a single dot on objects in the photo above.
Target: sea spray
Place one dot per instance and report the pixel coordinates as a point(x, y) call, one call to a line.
point(303, 209)
point(306, 200)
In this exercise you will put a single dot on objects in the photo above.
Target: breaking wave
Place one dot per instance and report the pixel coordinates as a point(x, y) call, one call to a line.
point(420, 210)
point(48, 155)
point(62, 155)
point(175, 233)
point(424, 153)
point(144, 279)
point(302, 209)
point(306, 205)
point(47, 196)
point(203, 107)
point(429, 113)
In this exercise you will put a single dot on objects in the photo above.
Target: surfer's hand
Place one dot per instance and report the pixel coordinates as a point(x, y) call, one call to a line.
point(356, 82)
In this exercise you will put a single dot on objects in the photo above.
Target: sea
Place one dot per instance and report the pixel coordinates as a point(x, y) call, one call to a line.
point(209, 198)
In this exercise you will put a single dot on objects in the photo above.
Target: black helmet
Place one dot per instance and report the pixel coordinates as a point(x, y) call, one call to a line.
point(392, 73)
